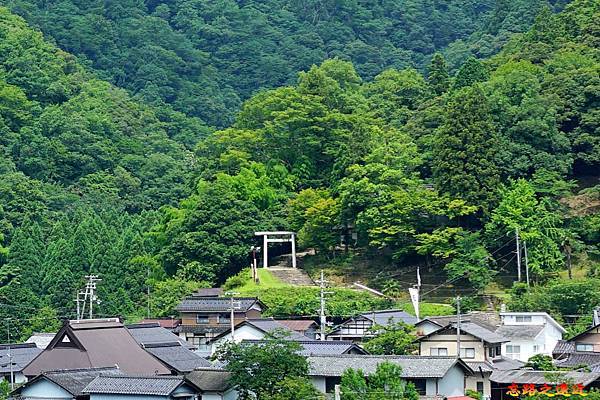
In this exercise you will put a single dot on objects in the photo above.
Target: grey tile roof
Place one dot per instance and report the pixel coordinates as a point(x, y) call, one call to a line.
point(73, 380)
point(270, 325)
point(505, 364)
point(516, 332)
point(266, 325)
point(41, 340)
point(522, 376)
point(210, 379)
point(576, 359)
point(472, 329)
point(502, 364)
point(563, 346)
point(385, 317)
point(142, 385)
point(482, 333)
point(152, 333)
point(322, 347)
point(488, 320)
point(20, 356)
point(196, 303)
point(412, 366)
point(476, 365)
point(177, 357)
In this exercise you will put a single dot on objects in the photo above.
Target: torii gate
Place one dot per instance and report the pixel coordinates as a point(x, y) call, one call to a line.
point(291, 237)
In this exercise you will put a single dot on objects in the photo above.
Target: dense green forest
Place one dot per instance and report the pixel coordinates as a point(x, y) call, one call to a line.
point(204, 57)
point(435, 165)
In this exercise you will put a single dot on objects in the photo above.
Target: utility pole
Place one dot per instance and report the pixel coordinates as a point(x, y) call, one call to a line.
point(10, 358)
point(78, 308)
point(518, 255)
point(323, 318)
point(526, 262)
point(90, 288)
point(234, 305)
point(458, 326)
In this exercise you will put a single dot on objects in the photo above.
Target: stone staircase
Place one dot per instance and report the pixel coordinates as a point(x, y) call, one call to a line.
point(291, 276)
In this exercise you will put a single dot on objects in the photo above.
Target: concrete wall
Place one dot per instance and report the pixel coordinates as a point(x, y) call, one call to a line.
point(44, 389)
point(453, 383)
point(319, 383)
point(471, 383)
point(449, 342)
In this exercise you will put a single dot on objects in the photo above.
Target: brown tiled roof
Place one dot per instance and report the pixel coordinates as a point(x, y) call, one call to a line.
point(167, 323)
point(298, 325)
point(95, 344)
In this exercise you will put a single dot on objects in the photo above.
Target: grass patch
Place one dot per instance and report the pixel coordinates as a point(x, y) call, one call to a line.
point(284, 300)
point(266, 281)
point(428, 309)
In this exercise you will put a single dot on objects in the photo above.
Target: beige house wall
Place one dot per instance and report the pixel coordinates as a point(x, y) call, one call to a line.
point(449, 342)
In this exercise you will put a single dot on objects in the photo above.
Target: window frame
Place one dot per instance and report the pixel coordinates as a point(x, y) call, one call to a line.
point(202, 319)
point(437, 351)
point(591, 345)
point(463, 352)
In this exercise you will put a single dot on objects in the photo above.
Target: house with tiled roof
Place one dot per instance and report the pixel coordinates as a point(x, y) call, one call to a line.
point(95, 343)
point(322, 347)
point(581, 350)
point(358, 328)
point(205, 315)
point(214, 384)
point(480, 348)
point(254, 329)
point(67, 384)
point(306, 327)
point(529, 333)
point(14, 358)
point(140, 387)
point(432, 376)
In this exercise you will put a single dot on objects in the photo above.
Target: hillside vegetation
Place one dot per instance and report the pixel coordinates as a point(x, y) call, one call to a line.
point(427, 166)
point(205, 57)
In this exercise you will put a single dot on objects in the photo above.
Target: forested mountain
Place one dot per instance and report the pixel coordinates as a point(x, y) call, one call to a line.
point(205, 57)
point(429, 166)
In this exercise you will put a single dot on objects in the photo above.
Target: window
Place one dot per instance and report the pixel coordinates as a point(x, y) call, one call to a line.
point(202, 319)
point(224, 319)
point(498, 351)
point(523, 318)
point(536, 348)
point(438, 351)
point(468, 352)
point(491, 352)
point(480, 387)
point(513, 351)
point(584, 347)
point(420, 385)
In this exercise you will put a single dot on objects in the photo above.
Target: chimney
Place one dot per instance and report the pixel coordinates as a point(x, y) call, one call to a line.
point(503, 307)
point(596, 319)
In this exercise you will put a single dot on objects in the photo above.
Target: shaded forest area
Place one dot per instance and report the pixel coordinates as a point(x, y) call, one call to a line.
point(437, 163)
point(205, 57)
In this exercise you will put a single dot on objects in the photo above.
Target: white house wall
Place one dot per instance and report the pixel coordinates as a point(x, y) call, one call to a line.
point(245, 332)
point(44, 389)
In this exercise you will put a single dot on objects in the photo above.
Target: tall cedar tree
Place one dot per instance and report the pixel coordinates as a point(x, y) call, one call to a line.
point(471, 72)
point(439, 79)
point(464, 150)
